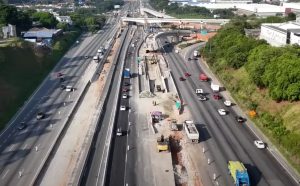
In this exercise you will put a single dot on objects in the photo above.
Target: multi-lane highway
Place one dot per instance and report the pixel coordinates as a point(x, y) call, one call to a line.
point(222, 136)
point(97, 163)
point(22, 152)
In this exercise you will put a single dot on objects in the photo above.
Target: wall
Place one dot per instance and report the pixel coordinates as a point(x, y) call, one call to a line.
point(272, 36)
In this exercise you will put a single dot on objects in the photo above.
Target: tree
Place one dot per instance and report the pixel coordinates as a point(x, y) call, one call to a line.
point(63, 26)
point(45, 18)
point(291, 16)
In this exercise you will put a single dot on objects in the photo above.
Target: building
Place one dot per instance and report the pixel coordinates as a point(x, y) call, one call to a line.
point(280, 34)
point(64, 19)
point(42, 36)
point(9, 31)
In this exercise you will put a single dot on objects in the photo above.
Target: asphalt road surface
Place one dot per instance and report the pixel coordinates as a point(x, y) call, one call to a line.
point(22, 151)
point(224, 138)
point(94, 173)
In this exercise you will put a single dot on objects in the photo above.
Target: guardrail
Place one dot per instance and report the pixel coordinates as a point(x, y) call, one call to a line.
point(102, 102)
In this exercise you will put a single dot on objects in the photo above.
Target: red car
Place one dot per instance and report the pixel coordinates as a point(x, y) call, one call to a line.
point(124, 89)
point(181, 79)
point(217, 96)
point(187, 74)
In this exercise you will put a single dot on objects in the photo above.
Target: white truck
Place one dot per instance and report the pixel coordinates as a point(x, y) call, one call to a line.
point(215, 87)
point(196, 53)
point(191, 131)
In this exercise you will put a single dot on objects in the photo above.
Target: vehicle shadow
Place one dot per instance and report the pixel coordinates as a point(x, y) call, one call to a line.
point(254, 174)
point(203, 132)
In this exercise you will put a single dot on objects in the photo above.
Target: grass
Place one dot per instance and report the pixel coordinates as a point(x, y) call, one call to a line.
point(22, 71)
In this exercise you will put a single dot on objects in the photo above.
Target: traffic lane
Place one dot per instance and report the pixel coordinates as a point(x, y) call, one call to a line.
point(266, 162)
point(251, 149)
point(95, 162)
point(237, 142)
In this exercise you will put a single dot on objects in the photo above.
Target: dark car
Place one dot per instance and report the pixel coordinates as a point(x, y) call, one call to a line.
point(125, 89)
point(189, 59)
point(59, 74)
point(22, 126)
point(61, 79)
point(126, 84)
point(239, 119)
point(62, 87)
point(187, 74)
point(217, 96)
point(40, 115)
point(181, 79)
point(202, 97)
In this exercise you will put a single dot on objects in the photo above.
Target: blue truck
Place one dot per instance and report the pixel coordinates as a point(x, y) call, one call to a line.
point(126, 73)
point(239, 173)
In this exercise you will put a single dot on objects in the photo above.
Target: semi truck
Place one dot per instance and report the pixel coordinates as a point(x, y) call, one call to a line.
point(191, 131)
point(239, 173)
point(126, 73)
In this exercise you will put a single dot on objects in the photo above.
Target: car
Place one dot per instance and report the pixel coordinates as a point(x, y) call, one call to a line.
point(187, 74)
point(122, 108)
point(177, 51)
point(22, 126)
point(119, 132)
point(40, 115)
point(61, 79)
point(199, 91)
point(125, 89)
point(166, 41)
point(77, 41)
point(59, 74)
point(62, 87)
point(202, 98)
point(189, 59)
point(217, 96)
point(126, 84)
point(239, 119)
point(69, 88)
point(259, 144)
point(181, 79)
point(86, 57)
point(222, 112)
point(227, 103)
point(124, 96)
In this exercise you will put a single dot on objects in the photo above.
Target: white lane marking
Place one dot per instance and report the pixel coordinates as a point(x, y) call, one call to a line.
point(24, 146)
point(5, 174)
point(11, 148)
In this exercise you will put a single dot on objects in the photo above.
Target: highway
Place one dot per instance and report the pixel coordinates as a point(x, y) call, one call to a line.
point(223, 138)
point(95, 174)
point(22, 152)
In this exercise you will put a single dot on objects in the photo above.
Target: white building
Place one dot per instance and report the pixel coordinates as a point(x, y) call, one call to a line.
point(280, 34)
point(64, 19)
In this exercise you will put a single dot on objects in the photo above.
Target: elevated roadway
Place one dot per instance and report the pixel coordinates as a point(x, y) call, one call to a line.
point(154, 13)
point(173, 20)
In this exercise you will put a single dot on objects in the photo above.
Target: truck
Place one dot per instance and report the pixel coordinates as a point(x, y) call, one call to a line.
point(239, 173)
point(215, 87)
point(203, 77)
point(126, 73)
point(191, 131)
point(196, 53)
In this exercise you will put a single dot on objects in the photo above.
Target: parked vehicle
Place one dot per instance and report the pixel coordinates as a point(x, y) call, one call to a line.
point(239, 119)
point(40, 115)
point(222, 112)
point(203, 77)
point(239, 173)
point(187, 74)
point(191, 131)
point(181, 79)
point(96, 58)
point(69, 88)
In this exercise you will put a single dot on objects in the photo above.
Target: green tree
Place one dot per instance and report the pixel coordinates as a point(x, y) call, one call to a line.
point(45, 18)
point(291, 16)
point(63, 26)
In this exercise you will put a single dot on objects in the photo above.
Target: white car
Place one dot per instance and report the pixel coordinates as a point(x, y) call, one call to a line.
point(119, 132)
point(227, 103)
point(199, 91)
point(222, 112)
point(69, 88)
point(259, 144)
point(124, 96)
point(122, 108)
point(177, 51)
